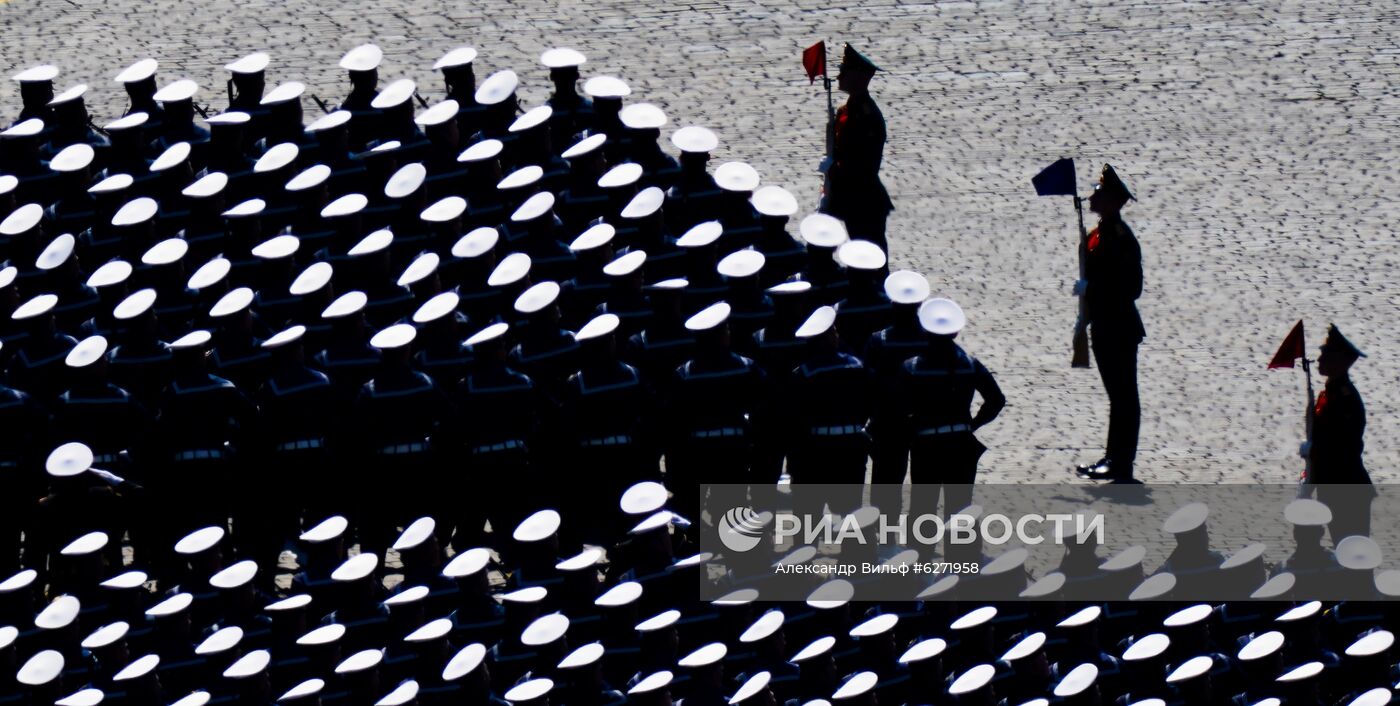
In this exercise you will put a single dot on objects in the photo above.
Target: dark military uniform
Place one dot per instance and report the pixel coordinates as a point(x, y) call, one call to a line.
point(939, 385)
point(885, 353)
point(606, 413)
point(114, 425)
point(710, 403)
point(497, 419)
point(1113, 270)
point(299, 413)
point(856, 194)
point(1339, 425)
point(396, 417)
point(25, 428)
point(203, 420)
point(830, 404)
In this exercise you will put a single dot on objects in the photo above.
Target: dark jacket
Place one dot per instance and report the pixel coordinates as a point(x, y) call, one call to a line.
point(858, 149)
point(1113, 269)
point(1338, 427)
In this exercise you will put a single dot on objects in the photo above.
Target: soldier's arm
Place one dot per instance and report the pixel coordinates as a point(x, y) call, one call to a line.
point(993, 401)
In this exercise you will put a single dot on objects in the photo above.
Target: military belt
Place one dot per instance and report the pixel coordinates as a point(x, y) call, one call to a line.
point(945, 429)
point(617, 440)
point(198, 454)
point(503, 446)
point(841, 430)
point(716, 433)
point(402, 449)
point(300, 445)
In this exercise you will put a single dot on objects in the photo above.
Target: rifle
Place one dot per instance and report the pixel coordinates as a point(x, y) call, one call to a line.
point(1058, 180)
point(321, 104)
point(1289, 352)
point(1079, 356)
point(830, 143)
point(1310, 414)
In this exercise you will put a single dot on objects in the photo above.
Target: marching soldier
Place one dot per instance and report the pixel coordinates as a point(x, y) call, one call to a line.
point(939, 385)
point(202, 423)
point(1337, 442)
point(572, 112)
point(830, 406)
point(246, 82)
point(247, 79)
point(459, 78)
point(497, 421)
point(25, 427)
point(712, 398)
point(108, 419)
point(37, 366)
point(885, 353)
point(865, 309)
point(177, 105)
point(396, 418)
point(607, 410)
point(695, 194)
point(35, 92)
point(72, 125)
point(664, 343)
point(856, 194)
point(298, 413)
point(362, 63)
point(1111, 286)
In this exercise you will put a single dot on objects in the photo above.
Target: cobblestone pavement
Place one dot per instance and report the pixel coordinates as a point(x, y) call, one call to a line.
point(1255, 134)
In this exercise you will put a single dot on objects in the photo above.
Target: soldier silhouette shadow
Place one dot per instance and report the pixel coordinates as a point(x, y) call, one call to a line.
point(1121, 494)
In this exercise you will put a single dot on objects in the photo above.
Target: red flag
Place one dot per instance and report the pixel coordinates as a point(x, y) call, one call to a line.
point(1291, 350)
point(814, 60)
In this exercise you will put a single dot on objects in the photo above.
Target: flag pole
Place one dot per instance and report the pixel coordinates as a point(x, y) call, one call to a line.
point(1305, 483)
point(1079, 346)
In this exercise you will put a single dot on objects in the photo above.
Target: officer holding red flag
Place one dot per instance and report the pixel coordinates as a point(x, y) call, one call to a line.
point(854, 192)
point(1335, 445)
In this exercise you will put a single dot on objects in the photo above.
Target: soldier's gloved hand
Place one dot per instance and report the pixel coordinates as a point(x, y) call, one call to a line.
point(1305, 449)
point(1080, 286)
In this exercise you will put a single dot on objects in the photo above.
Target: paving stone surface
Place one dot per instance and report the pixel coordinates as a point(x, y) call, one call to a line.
point(1258, 135)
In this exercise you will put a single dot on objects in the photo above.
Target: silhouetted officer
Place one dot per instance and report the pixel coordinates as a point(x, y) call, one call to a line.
point(856, 194)
point(1111, 286)
point(545, 352)
point(695, 195)
point(1339, 427)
